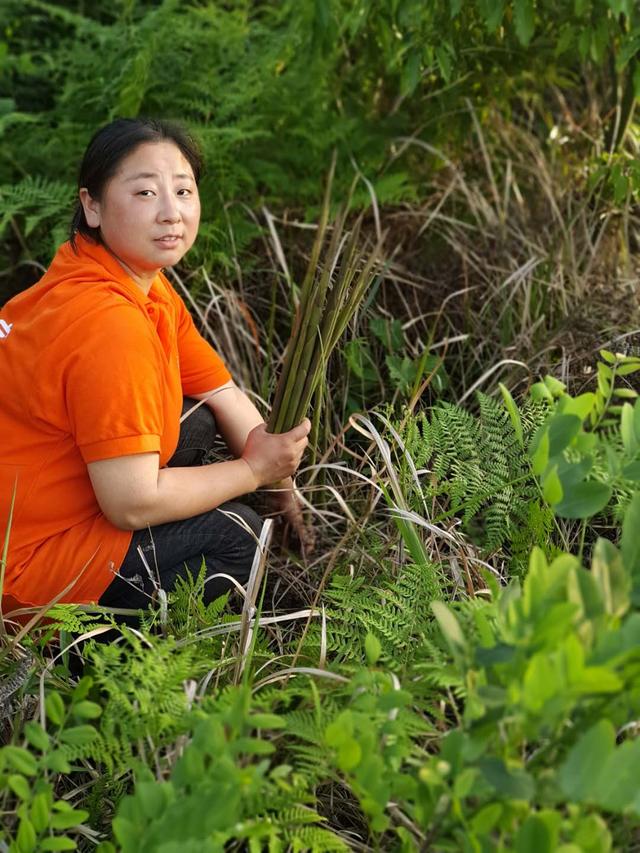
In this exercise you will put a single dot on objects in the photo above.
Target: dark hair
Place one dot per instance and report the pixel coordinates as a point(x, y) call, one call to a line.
point(110, 145)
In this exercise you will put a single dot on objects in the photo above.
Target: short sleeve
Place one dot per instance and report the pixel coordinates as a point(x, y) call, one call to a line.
point(112, 387)
point(201, 368)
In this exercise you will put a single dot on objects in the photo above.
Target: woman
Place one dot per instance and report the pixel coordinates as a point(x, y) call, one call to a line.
point(96, 361)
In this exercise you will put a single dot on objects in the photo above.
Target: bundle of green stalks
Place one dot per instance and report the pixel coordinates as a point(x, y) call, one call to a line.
point(334, 286)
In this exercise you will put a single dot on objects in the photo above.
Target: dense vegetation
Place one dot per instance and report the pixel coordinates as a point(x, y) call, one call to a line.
point(457, 666)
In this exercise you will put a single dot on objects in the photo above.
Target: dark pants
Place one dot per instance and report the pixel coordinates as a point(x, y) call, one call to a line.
point(171, 550)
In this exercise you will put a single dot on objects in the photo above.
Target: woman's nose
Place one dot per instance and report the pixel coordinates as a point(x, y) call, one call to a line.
point(169, 210)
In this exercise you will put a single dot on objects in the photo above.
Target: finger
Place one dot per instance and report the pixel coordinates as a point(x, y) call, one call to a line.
point(302, 430)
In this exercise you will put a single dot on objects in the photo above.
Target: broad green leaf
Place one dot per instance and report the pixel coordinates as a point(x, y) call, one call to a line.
point(552, 487)
point(608, 570)
point(539, 391)
point(631, 471)
point(349, 754)
point(388, 332)
point(411, 73)
point(86, 710)
point(562, 430)
point(26, 837)
point(592, 835)
point(340, 729)
point(78, 735)
point(20, 759)
point(515, 784)
point(36, 735)
point(628, 369)
point(267, 721)
point(484, 820)
point(492, 13)
point(583, 589)
point(540, 451)
point(554, 385)
point(20, 786)
point(584, 500)
point(535, 836)
point(39, 811)
point(449, 625)
point(54, 707)
point(627, 429)
point(580, 406)
point(251, 746)
point(630, 539)
point(372, 649)
point(61, 842)
point(542, 682)
point(150, 798)
point(68, 819)
point(580, 773)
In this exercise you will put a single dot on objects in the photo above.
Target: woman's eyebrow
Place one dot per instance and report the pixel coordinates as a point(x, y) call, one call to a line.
point(180, 176)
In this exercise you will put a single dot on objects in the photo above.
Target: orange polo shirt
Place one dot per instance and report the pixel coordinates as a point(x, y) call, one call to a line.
point(90, 368)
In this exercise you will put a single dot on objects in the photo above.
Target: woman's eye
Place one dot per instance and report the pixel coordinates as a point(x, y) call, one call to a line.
point(145, 193)
point(184, 192)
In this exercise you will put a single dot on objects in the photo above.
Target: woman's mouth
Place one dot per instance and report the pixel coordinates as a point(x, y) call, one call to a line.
point(169, 241)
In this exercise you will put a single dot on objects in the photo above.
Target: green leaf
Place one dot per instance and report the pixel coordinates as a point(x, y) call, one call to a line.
point(151, 799)
point(267, 721)
point(562, 430)
point(613, 580)
point(349, 754)
point(514, 413)
point(535, 836)
point(20, 786)
point(540, 451)
point(411, 73)
point(628, 369)
point(552, 487)
point(54, 707)
point(57, 761)
point(388, 332)
point(579, 775)
point(251, 746)
point(631, 471)
point(372, 649)
point(524, 20)
point(40, 811)
point(581, 406)
point(584, 501)
point(485, 819)
point(449, 626)
point(87, 710)
point(627, 429)
point(492, 13)
point(26, 837)
point(630, 540)
point(20, 759)
point(78, 735)
point(60, 842)
point(68, 819)
point(515, 784)
point(36, 735)
point(555, 387)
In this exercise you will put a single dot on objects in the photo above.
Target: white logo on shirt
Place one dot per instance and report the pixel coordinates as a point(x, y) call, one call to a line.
point(5, 328)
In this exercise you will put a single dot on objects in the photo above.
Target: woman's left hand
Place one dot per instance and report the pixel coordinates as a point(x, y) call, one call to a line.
point(289, 506)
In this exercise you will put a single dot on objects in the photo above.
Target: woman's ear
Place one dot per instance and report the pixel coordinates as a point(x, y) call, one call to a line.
point(91, 208)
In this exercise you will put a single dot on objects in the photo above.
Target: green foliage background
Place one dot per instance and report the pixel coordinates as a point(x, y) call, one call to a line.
point(272, 88)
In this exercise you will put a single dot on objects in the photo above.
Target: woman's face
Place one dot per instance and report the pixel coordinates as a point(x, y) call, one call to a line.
point(149, 211)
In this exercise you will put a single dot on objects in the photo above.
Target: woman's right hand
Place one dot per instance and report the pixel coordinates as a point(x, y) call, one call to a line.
point(273, 457)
